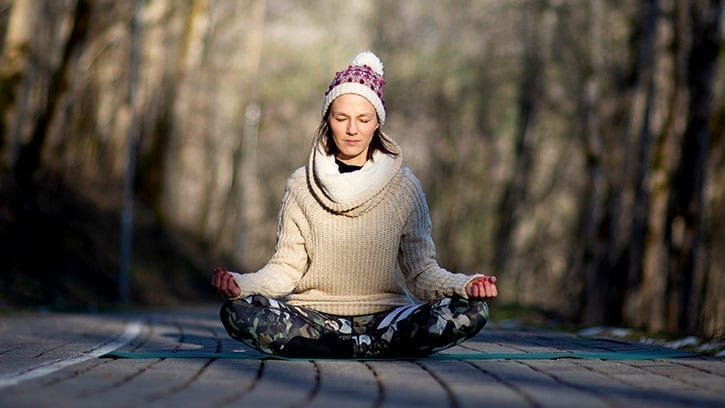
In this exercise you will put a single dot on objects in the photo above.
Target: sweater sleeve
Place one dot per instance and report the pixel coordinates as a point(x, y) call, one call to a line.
point(424, 278)
point(289, 262)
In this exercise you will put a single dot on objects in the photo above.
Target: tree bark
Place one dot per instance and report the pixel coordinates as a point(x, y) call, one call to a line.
point(15, 72)
point(651, 286)
point(588, 254)
point(629, 227)
point(654, 262)
point(513, 198)
point(29, 156)
point(684, 218)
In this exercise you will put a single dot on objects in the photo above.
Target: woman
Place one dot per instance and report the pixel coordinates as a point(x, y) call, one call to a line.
point(354, 272)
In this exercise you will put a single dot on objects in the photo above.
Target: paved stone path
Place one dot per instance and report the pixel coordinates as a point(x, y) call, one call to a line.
point(58, 360)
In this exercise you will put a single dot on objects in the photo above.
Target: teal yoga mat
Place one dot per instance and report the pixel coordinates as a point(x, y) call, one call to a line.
point(586, 355)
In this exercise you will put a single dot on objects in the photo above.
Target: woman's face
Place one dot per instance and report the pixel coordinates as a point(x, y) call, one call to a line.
point(353, 121)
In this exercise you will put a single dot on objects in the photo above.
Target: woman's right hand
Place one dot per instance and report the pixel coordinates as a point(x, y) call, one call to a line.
point(224, 284)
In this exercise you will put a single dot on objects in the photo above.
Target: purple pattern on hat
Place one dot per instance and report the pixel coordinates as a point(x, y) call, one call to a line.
point(361, 74)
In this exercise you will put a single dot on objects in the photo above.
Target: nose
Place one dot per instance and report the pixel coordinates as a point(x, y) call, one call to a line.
point(351, 128)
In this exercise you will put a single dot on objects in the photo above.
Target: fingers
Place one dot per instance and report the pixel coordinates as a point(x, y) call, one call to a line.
point(216, 278)
point(472, 290)
point(228, 284)
point(233, 289)
point(224, 283)
point(489, 287)
point(222, 288)
point(491, 290)
point(483, 287)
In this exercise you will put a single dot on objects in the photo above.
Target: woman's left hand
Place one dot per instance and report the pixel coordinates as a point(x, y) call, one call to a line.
point(224, 284)
point(483, 287)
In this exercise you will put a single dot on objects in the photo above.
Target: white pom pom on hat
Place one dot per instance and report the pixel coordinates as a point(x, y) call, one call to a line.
point(364, 77)
point(369, 59)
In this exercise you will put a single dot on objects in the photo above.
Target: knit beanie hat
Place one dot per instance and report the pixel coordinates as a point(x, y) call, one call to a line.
point(364, 77)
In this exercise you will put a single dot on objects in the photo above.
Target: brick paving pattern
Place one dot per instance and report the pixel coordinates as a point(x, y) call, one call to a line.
point(53, 360)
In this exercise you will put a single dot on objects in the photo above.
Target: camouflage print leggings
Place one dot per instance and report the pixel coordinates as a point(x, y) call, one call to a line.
point(274, 327)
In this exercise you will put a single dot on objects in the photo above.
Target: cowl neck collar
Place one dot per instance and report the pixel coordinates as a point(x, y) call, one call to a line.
point(353, 193)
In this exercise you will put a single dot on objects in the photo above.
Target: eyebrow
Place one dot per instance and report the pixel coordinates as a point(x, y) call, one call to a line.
point(335, 113)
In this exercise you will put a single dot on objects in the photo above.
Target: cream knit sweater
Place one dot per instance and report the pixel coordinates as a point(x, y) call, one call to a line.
point(353, 243)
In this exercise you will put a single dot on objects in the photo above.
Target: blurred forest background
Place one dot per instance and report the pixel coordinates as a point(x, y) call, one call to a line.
point(573, 148)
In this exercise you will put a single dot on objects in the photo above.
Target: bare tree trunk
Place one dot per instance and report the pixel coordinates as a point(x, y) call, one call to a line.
point(513, 199)
point(248, 187)
point(643, 156)
point(588, 254)
point(190, 92)
point(625, 258)
point(15, 73)
point(655, 256)
point(126, 239)
point(29, 156)
point(686, 229)
point(709, 304)
point(244, 189)
point(207, 35)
